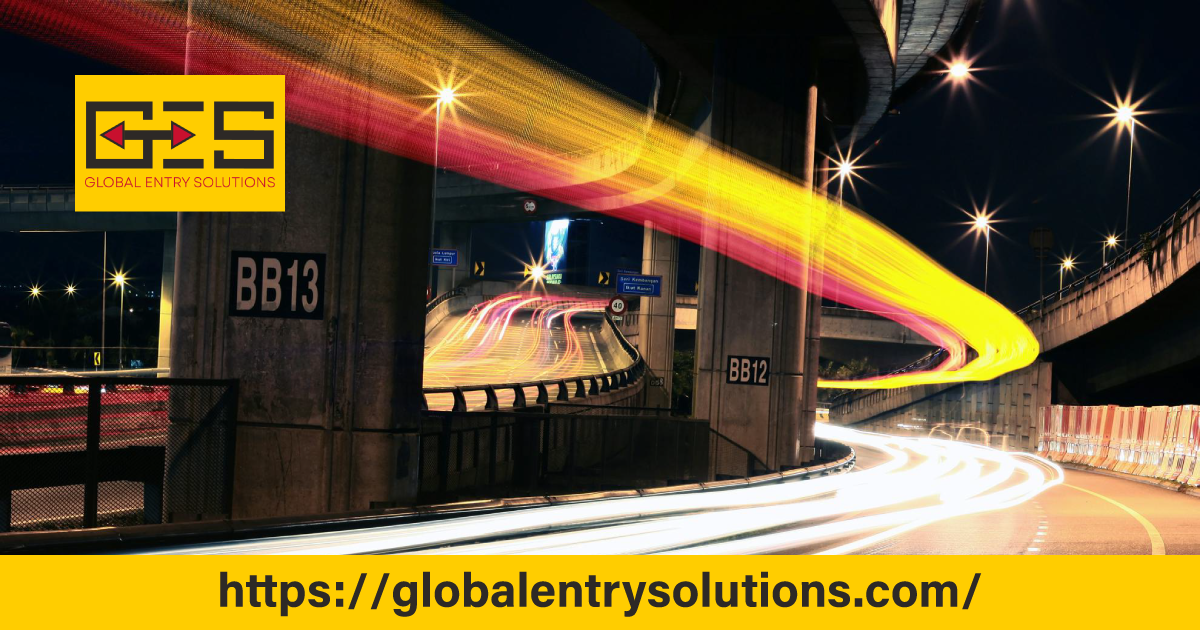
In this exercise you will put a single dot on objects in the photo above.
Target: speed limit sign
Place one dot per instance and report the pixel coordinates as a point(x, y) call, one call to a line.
point(617, 306)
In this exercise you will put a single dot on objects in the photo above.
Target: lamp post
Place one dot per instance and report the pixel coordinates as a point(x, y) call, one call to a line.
point(1109, 243)
point(1067, 265)
point(983, 223)
point(119, 280)
point(445, 96)
point(1125, 116)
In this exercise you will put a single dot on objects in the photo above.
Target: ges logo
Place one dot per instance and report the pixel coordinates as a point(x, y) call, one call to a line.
point(186, 143)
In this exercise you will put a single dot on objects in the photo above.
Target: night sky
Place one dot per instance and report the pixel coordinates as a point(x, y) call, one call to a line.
point(1020, 137)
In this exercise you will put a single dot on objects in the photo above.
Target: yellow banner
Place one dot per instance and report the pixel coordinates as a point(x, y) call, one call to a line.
point(190, 143)
point(594, 592)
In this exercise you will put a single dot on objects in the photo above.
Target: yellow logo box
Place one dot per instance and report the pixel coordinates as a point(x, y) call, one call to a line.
point(179, 143)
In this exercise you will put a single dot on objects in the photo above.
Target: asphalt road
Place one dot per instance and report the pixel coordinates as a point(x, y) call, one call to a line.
point(1077, 517)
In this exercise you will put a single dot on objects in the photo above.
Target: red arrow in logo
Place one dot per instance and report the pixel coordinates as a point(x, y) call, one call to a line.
point(179, 135)
point(116, 135)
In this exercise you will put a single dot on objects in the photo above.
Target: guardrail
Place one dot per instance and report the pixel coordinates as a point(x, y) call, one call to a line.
point(583, 386)
point(437, 301)
point(467, 455)
point(1164, 230)
point(89, 452)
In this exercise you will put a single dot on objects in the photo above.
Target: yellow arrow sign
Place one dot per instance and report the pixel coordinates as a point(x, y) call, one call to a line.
point(605, 278)
point(526, 272)
point(96, 359)
point(479, 268)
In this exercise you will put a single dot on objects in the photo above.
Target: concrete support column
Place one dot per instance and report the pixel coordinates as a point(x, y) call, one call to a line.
point(761, 107)
point(329, 409)
point(656, 319)
point(165, 299)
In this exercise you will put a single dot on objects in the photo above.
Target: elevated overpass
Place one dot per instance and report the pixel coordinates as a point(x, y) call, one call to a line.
point(1125, 334)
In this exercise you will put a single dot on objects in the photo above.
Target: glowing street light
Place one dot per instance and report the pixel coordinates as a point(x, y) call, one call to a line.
point(844, 170)
point(1067, 265)
point(537, 272)
point(35, 291)
point(1124, 116)
point(1109, 243)
point(446, 96)
point(70, 289)
point(982, 222)
point(959, 70)
point(119, 279)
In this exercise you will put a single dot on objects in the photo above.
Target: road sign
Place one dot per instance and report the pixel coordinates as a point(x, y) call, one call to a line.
point(479, 267)
point(632, 272)
point(529, 206)
point(96, 359)
point(748, 370)
point(633, 284)
point(276, 284)
point(443, 257)
point(617, 306)
point(605, 279)
point(527, 271)
point(1041, 239)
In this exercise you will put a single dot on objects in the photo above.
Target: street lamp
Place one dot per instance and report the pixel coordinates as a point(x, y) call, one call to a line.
point(845, 170)
point(1067, 265)
point(70, 289)
point(119, 280)
point(1125, 117)
point(959, 70)
point(983, 223)
point(35, 291)
point(1109, 243)
point(445, 97)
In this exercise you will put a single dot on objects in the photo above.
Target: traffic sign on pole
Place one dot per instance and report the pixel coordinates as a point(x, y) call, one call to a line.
point(617, 306)
point(634, 284)
point(443, 257)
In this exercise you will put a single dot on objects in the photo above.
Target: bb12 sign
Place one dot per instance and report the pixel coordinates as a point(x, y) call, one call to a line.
point(748, 370)
point(277, 284)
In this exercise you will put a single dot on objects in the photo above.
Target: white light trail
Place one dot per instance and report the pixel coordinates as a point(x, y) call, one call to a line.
point(919, 481)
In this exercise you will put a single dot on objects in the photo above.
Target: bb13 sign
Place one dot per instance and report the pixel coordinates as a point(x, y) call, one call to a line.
point(277, 284)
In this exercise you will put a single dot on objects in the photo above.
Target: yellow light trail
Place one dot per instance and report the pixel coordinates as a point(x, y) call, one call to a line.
point(373, 71)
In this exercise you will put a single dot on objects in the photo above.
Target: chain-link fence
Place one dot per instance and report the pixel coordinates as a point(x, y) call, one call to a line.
point(88, 452)
point(503, 454)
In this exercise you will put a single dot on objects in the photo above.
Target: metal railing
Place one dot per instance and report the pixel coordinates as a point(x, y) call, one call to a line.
point(437, 301)
point(488, 454)
point(1163, 231)
point(89, 452)
point(37, 199)
point(565, 389)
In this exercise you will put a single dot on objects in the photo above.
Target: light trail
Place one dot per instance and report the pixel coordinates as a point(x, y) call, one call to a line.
point(918, 481)
point(371, 72)
point(519, 338)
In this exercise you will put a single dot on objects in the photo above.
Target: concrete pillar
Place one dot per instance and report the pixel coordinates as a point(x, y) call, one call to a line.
point(330, 408)
point(166, 297)
point(453, 235)
point(761, 107)
point(656, 318)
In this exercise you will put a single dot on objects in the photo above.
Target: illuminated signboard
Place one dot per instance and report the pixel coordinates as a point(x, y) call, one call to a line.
point(554, 250)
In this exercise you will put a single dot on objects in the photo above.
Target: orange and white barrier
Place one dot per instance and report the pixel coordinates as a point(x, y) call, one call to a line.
point(1157, 442)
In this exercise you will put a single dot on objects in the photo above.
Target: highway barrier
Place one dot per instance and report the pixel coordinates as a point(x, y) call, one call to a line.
point(91, 452)
point(508, 453)
point(1154, 442)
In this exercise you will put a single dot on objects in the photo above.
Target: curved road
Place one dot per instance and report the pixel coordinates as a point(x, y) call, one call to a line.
point(903, 484)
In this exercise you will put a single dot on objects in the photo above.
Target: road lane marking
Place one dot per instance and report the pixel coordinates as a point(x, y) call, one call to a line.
point(1157, 548)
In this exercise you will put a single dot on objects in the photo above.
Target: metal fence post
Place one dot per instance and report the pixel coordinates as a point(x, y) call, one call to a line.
point(91, 484)
point(443, 463)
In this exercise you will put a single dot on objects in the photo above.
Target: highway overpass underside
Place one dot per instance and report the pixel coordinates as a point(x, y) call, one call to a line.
point(1148, 356)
